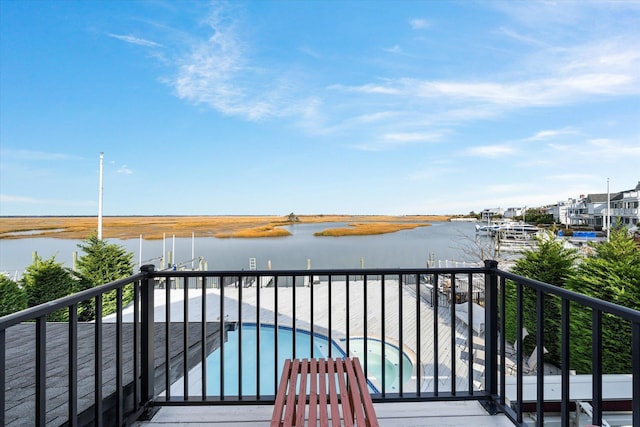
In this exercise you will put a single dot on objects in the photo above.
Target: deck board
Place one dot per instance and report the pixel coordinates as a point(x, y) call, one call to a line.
point(389, 414)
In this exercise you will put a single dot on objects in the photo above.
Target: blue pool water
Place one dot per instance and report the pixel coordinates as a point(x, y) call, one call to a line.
point(264, 356)
point(375, 363)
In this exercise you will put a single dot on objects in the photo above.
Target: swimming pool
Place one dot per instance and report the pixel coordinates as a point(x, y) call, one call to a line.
point(264, 357)
point(375, 363)
point(253, 358)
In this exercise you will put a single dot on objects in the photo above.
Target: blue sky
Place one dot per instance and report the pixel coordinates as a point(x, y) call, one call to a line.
point(355, 107)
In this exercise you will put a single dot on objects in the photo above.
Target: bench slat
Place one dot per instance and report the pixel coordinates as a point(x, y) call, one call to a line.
point(355, 394)
point(367, 403)
point(333, 394)
point(281, 396)
point(324, 419)
point(313, 395)
point(342, 379)
point(302, 393)
point(345, 396)
point(289, 410)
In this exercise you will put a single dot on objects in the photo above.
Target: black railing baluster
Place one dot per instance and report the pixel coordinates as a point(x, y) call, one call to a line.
point(137, 386)
point(364, 327)
point(596, 368)
point(400, 335)
point(330, 312)
point(311, 337)
point(383, 336)
point(147, 336)
point(470, 323)
point(491, 331)
point(222, 336)
point(519, 351)
point(203, 348)
point(452, 330)
point(3, 367)
point(540, 356)
point(185, 339)
point(258, 320)
point(565, 360)
point(635, 357)
point(276, 315)
point(41, 371)
point(348, 320)
point(239, 327)
point(119, 390)
point(419, 374)
point(73, 366)
point(98, 421)
point(436, 345)
point(167, 335)
point(293, 315)
point(503, 341)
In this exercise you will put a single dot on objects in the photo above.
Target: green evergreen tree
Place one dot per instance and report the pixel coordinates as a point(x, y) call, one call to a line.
point(612, 274)
point(47, 280)
point(12, 296)
point(552, 263)
point(103, 263)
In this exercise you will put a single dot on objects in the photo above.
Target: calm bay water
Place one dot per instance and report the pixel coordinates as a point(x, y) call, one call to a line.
point(404, 249)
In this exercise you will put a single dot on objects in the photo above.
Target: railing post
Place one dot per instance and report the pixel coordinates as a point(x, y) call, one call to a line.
point(147, 356)
point(491, 333)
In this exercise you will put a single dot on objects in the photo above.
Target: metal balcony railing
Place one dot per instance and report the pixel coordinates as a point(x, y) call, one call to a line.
point(218, 338)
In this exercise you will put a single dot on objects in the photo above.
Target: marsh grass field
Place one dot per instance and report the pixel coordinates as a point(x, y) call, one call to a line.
point(153, 227)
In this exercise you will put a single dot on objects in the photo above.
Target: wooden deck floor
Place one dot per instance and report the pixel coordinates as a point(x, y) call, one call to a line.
point(415, 414)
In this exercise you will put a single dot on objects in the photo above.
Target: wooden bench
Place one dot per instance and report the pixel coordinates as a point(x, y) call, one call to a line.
point(333, 383)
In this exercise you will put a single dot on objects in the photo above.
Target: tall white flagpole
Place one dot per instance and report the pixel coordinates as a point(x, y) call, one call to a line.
point(608, 212)
point(100, 199)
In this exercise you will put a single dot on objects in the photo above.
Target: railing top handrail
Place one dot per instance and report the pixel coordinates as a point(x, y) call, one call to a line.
point(51, 306)
point(595, 303)
point(319, 272)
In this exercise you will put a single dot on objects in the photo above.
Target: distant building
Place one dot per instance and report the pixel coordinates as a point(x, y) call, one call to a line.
point(591, 210)
point(513, 212)
point(490, 213)
point(625, 207)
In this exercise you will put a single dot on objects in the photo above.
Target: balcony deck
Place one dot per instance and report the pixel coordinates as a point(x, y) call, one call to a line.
point(469, 413)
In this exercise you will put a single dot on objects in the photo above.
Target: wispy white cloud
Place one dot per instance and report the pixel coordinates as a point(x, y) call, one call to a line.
point(512, 34)
point(490, 151)
point(8, 198)
point(134, 40)
point(380, 89)
point(309, 52)
point(611, 147)
point(412, 137)
point(550, 134)
point(219, 72)
point(391, 140)
point(394, 49)
point(419, 24)
point(37, 155)
point(124, 170)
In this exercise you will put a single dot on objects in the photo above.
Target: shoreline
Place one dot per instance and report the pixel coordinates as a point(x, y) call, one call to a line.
point(218, 226)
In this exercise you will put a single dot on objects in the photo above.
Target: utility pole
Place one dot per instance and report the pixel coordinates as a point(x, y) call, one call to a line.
point(100, 198)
